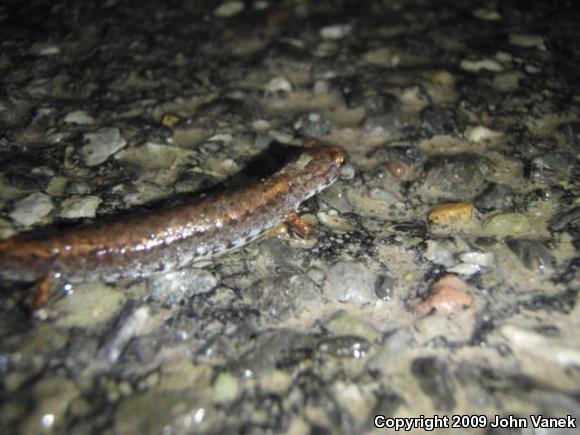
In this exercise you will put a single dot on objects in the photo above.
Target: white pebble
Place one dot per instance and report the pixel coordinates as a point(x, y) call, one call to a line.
point(229, 9)
point(337, 31)
point(482, 64)
point(102, 144)
point(483, 259)
point(32, 209)
point(278, 84)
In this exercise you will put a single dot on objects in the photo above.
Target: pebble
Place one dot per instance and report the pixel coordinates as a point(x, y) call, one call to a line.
point(385, 286)
point(352, 282)
point(533, 254)
point(131, 326)
point(495, 197)
point(439, 120)
point(459, 177)
point(226, 388)
point(483, 259)
point(439, 254)
point(479, 134)
point(80, 207)
point(459, 213)
point(101, 145)
point(343, 323)
point(486, 14)
point(229, 9)
point(90, 306)
point(562, 221)
point(6, 229)
point(505, 224)
point(527, 41)
point(278, 84)
point(347, 172)
point(508, 81)
point(482, 64)
point(382, 195)
point(464, 269)
point(552, 168)
point(447, 295)
point(32, 209)
point(79, 117)
point(337, 31)
point(398, 170)
point(533, 345)
point(313, 125)
point(179, 286)
point(51, 397)
point(57, 186)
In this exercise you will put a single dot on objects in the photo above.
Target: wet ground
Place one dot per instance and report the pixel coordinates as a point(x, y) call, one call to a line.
point(443, 278)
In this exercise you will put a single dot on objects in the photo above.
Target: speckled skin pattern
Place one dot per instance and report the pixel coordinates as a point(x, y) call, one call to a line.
point(165, 240)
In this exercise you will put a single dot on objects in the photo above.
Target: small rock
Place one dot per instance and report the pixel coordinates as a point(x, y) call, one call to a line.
point(399, 170)
point(439, 254)
point(459, 213)
point(382, 195)
point(278, 84)
point(313, 125)
point(79, 117)
point(284, 296)
point(352, 282)
point(90, 306)
point(102, 144)
point(342, 323)
point(533, 254)
point(57, 186)
point(533, 346)
point(505, 224)
point(131, 325)
point(551, 168)
point(6, 229)
point(226, 388)
point(80, 207)
point(347, 172)
point(335, 32)
point(229, 9)
point(508, 81)
point(482, 64)
point(447, 295)
point(479, 134)
point(464, 269)
point(179, 286)
point(527, 41)
point(52, 397)
point(385, 286)
point(487, 14)
point(32, 209)
point(495, 197)
point(459, 177)
point(439, 120)
point(483, 259)
point(562, 221)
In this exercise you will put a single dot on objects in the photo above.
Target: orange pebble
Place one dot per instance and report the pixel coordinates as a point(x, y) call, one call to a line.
point(398, 169)
point(451, 214)
point(447, 295)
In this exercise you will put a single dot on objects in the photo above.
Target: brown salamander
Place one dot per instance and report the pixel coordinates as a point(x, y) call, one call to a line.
point(164, 240)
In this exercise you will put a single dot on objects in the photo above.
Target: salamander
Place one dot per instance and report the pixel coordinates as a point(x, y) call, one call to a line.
point(163, 240)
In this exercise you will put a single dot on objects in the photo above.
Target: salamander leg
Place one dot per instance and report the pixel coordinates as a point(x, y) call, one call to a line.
point(300, 226)
point(48, 288)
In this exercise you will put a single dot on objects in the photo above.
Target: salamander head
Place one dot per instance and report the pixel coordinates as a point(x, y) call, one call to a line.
point(326, 153)
point(322, 165)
